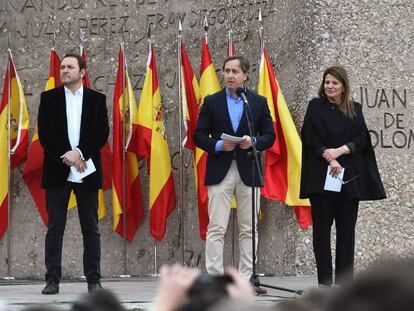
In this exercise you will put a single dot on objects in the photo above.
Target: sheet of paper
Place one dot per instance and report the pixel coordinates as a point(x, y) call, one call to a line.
point(90, 168)
point(236, 139)
point(333, 183)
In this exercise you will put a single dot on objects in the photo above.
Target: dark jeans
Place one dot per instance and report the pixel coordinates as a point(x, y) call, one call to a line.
point(344, 211)
point(57, 205)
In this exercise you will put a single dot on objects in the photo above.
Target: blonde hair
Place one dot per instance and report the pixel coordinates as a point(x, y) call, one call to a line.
point(347, 103)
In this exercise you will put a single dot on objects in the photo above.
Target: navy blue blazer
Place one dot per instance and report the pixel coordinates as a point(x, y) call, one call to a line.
point(214, 119)
point(53, 135)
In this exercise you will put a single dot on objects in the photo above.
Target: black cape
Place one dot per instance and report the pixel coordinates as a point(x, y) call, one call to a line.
point(326, 127)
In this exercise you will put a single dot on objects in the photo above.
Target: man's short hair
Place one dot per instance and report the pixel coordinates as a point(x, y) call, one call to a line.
point(244, 63)
point(81, 62)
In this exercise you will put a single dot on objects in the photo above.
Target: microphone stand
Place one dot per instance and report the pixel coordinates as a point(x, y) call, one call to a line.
point(253, 155)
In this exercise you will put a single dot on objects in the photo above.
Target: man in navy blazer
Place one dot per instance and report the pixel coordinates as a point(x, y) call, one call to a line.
point(72, 127)
point(228, 171)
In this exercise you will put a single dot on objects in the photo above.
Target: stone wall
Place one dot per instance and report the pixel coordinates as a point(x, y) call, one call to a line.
point(372, 39)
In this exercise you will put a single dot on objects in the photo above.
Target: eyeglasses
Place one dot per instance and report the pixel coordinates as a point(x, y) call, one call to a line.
point(347, 181)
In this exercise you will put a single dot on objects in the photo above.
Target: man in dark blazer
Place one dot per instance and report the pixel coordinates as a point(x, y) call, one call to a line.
point(73, 127)
point(228, 171)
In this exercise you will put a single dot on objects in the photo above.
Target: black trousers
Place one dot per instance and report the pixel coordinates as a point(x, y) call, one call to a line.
point(344, 211)
point(57, 205)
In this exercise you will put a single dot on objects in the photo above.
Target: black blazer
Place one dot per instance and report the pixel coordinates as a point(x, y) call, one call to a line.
point(214, 119)
point(53, 135)
point(326, 127)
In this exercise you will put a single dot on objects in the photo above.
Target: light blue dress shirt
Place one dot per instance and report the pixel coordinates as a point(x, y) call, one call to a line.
point(235, 107)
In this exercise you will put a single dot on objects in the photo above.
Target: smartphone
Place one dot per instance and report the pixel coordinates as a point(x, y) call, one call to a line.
point(206, 283)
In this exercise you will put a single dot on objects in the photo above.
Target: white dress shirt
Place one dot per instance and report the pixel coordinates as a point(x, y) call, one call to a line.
point(73, 116)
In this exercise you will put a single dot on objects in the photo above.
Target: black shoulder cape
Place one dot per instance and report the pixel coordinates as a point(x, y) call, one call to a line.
point(326, 127)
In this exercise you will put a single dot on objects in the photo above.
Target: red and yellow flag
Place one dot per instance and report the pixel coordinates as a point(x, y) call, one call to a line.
point(125, 105)
point(33, 169)
point(191, 104)
point(13, 102)
point(106, 156)
point(19, 118)
point(283, 159)
point(191, 99)
point(209, 84)
point(153, 145)
point(4, 156)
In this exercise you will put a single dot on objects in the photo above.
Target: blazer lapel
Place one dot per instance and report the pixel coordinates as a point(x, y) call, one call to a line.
point(225, 110)
point(85, 101)
point(61, 102)
point(243, 120)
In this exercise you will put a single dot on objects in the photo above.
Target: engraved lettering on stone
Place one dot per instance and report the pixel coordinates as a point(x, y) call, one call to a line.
point(394, 132)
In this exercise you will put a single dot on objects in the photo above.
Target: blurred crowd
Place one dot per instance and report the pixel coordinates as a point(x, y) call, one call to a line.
point(387, 285)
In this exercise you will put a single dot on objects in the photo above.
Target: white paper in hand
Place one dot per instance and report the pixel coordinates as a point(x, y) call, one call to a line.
point(333, 183)
point(236, 139)
point(90, 168)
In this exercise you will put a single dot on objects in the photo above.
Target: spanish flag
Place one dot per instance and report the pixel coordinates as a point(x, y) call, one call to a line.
point(209, 84)
point(125, 105)
point(13, 102)
point(153, 145)
point(191, 104)
point(33, 169)
point(106, 156)
point(283, 159)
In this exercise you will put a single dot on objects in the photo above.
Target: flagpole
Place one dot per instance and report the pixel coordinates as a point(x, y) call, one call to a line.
point(261, 32)
point(233, 212)
point(81, 40)
point(155, 274)
point(180, 112)
point(230, 38)
point(206, 26)
point(54, 40)
point(54, 33)
point(261, 39)
point(124, 185)
point(9, 202)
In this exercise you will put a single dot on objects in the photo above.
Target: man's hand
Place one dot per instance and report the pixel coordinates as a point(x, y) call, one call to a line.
point(332, 153)
point(246, 143)
point(173, 287)
point(240, 289)
point(228, 145)
point(71, 157)
point(336, 168)
point(81, 166)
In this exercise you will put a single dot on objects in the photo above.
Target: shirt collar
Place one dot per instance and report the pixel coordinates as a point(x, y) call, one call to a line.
point(229, 94)
point(79, 91)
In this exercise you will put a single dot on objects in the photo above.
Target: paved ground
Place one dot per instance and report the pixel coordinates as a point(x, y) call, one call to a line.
point(133, 292)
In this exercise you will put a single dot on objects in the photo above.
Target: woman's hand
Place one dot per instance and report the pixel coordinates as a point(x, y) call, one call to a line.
point(336, 168)
point(333, 153)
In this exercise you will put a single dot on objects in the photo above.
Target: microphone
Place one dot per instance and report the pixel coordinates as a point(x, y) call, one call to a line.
point(240, 92)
